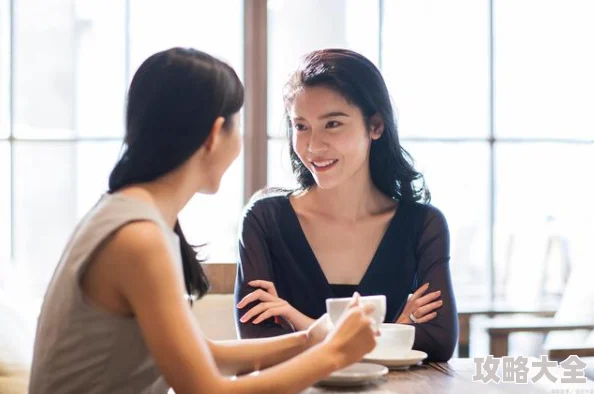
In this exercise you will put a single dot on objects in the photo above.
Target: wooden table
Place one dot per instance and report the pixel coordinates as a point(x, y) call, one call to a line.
point(456, 377)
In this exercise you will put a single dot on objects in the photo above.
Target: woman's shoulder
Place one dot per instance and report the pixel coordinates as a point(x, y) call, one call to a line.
point(137, 238)
point(424, 213)
point(266, 203)
point(269, 196)
point(267, 199)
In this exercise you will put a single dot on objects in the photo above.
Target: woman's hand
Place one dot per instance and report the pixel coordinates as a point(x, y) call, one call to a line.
point(354, 335)
point(420, 308)
point(271, 305)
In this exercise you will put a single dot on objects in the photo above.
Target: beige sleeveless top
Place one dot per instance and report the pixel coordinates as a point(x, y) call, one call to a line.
point(79, 348)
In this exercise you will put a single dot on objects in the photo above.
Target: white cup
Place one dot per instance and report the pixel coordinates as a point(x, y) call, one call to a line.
point(336, 307)
point(395, 340)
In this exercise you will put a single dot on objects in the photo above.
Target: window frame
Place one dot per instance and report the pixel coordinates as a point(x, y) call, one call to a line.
point(256, 138)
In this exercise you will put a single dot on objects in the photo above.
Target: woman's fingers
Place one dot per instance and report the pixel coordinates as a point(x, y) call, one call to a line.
point(264, 284)
point(426, 299)
point(420, 291)
point(255, 311)
point(354, 300)
point(258, 295)
point(424, 310)
point(271, 312)
point(427, 318)
point(424, 305)
point(270, 305)
point(368, 309)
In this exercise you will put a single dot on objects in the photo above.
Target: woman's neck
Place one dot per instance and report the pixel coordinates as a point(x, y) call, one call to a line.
point(167, 194)
point(351, 201)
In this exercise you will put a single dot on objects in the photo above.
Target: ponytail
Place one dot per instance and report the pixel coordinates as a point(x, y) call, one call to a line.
point(197, 284)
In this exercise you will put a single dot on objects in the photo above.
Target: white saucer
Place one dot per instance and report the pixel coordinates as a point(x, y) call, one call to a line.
point(412, 358)
point(354, 375)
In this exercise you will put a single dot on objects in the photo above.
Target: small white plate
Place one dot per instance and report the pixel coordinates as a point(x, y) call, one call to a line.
point(354, 375)
point(393, 362)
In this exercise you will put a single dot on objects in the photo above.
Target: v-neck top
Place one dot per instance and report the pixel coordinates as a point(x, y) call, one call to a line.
point(413, 251)
point(340, 290)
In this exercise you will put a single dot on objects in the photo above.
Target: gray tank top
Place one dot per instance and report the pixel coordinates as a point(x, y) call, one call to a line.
point(78, 347)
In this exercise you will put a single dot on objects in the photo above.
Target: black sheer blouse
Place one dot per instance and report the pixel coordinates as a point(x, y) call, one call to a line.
point(413, 251)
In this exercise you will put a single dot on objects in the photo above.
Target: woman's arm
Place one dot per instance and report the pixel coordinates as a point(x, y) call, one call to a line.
point(138, 267)
point(254, 264)
point(437, 337)
point(247, 355)
point(238, 357)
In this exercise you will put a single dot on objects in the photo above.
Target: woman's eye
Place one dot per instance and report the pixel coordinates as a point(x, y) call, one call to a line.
point(299, 127)
point(332, 124)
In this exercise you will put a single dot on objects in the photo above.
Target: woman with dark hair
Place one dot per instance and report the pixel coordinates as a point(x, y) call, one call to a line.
point(116, 318)
point(360, 220)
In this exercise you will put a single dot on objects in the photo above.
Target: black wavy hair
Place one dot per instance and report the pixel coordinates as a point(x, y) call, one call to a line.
point(358, 80)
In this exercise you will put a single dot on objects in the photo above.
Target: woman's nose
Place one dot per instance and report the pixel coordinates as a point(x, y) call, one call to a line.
point(316, 143)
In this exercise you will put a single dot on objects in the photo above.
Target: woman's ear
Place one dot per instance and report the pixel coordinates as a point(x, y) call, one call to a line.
point(377, 126)
point(215, 134)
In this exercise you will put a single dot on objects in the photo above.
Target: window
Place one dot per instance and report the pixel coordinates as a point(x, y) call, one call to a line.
point(5, 233)
point(215, 27)
point(544, 134)
point(66, 118)
point(544, 80)
point(71, 63)
point(541, 194)
point(5, 155)
point(4, 69)
point(493, 102)
point(455, 173)
point(435, 58)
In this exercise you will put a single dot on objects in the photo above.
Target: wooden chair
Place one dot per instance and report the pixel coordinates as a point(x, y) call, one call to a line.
point(499, 331)
point(570, 331)
point(522, 298)
point(467, 312)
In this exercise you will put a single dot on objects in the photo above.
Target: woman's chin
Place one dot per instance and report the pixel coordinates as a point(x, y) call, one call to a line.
point(326, 183)
point(209, 189)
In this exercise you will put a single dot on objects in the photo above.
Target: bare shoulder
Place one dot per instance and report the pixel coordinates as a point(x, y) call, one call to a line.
point(137, 250)
point(138, 235)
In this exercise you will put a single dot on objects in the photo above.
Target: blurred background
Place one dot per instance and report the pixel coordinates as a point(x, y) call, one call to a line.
point(494, 100)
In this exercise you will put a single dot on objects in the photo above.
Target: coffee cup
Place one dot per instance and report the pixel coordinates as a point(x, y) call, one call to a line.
point(395, 340)
point(337, 306)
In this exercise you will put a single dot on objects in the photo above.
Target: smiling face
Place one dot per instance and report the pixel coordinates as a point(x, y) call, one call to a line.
point(330, 136)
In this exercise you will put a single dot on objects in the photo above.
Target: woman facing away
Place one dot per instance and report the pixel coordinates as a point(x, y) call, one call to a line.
point(116, 318)
point(360, 220)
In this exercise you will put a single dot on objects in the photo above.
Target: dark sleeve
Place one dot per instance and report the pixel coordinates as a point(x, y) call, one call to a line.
point(439, 336)
point(254, 263)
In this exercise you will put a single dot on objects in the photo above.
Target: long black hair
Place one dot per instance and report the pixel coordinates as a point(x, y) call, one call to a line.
point(358, 80)
point(174, 98)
